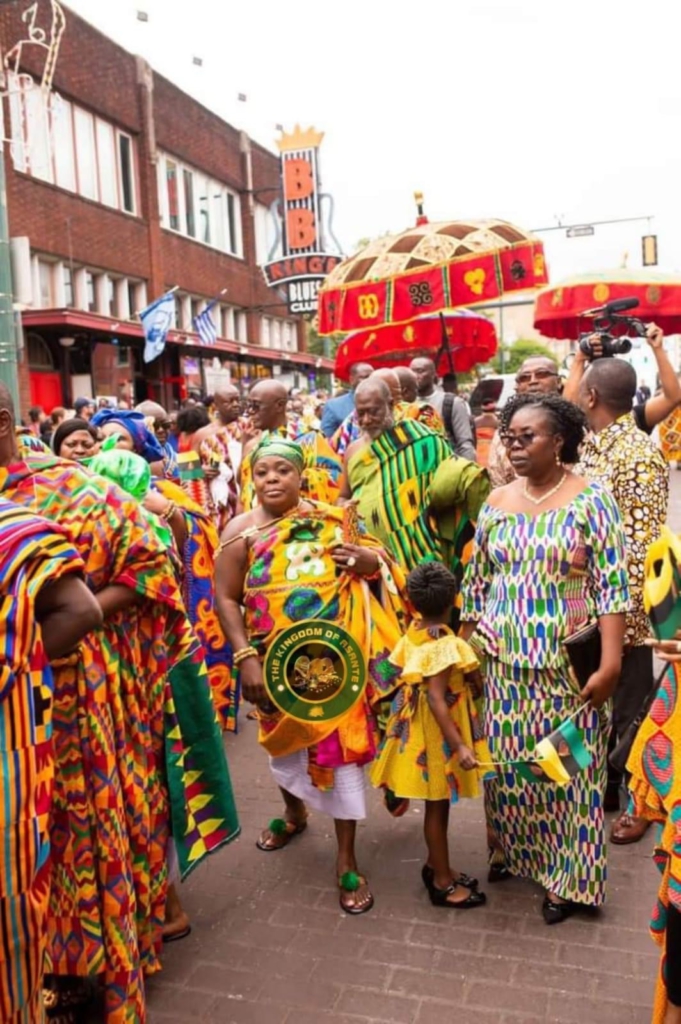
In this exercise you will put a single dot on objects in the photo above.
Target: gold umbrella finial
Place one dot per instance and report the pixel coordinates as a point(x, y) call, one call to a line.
point(420, 215)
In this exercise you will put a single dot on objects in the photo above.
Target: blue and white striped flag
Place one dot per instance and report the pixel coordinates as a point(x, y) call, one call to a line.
point(204, 326)
point(157, 319)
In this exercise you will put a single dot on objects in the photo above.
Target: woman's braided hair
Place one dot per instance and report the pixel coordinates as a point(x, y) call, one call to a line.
point(566, 418)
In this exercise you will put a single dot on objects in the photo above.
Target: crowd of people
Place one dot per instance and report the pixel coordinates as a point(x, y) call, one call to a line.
point(490, 568)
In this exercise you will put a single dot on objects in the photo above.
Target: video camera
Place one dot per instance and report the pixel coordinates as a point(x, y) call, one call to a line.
point(606, 319)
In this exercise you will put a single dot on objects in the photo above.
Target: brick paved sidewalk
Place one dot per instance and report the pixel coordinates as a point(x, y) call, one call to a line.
point(271, 946)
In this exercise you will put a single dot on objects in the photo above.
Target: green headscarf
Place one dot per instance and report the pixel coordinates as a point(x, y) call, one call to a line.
point(133, 474)
point(125, 468)
point(278, 446)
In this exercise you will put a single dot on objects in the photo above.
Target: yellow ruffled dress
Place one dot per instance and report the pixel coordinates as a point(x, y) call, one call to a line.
point(414, 761)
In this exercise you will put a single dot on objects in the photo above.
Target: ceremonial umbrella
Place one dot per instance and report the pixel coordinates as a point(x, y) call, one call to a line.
point(427, 269)
point(558, 311)
point(455, 339)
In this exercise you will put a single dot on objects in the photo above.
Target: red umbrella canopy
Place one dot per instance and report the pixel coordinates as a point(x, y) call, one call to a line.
point(470, 339)
point(558, 311)
point(429, 268)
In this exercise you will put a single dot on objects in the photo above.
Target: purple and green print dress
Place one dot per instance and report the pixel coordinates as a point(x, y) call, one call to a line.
point(533, 581)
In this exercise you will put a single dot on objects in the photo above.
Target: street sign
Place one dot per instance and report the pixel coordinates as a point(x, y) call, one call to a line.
point(580, 231)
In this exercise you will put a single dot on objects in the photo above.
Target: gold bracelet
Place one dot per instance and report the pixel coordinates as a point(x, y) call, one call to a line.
point(168, 514)
point(243, 653)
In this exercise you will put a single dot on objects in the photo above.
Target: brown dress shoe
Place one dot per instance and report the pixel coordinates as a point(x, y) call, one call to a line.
point(627, 829)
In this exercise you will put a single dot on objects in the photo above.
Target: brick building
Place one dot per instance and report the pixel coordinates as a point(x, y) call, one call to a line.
point(123, 188)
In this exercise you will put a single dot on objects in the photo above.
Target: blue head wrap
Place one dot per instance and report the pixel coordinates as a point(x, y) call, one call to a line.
point(144, 442)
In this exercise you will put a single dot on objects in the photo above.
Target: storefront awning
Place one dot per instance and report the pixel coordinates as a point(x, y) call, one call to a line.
point(94, 323)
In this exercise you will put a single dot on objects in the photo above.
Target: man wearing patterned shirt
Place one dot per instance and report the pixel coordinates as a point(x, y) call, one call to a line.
point(626, 461)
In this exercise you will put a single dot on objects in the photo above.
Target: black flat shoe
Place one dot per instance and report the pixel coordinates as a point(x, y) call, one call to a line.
point(428, 876)
point(438, 897)
point(555, 913)
point(498, 873)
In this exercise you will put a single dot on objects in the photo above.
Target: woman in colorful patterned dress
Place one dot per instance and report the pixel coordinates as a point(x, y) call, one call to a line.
point(433, 740)
point(287, 561)
point(549, 560)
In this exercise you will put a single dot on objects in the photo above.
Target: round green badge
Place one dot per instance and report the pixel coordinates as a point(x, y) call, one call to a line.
point(315, 671)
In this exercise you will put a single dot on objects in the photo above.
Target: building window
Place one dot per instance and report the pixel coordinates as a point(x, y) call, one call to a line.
point(266, 332)
point(38, 352)
point(199, 207)
point(111, 296)
point(64, 148)
point(86, 154)
point(45, 279)
point(59, 142)
point(90, 292)
point(68, 286)
point(231, 222)
point(127, 167)
point(171, 188)
point(123, 355)
point(106, 161)
point(188, 179)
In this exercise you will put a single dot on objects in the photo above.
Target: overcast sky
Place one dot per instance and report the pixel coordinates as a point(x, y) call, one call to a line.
point(519, 109)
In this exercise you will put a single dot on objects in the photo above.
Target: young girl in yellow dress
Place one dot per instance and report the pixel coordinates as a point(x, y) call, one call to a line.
point(433, 740)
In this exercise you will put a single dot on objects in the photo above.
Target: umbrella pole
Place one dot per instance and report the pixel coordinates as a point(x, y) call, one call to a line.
point(444, 346)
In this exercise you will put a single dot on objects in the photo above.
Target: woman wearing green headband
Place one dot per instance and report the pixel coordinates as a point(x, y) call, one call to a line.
point(287, 561)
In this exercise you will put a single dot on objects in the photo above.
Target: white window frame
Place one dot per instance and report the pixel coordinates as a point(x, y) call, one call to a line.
point(215, 200)
point(21, 151)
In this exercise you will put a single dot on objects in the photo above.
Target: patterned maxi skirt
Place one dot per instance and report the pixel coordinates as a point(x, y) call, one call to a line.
point(553, 834)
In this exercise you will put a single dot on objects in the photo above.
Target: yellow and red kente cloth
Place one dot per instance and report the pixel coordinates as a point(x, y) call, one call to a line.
point(655, 766)
point(33, 554)
point(291, 576)
point(137, 746)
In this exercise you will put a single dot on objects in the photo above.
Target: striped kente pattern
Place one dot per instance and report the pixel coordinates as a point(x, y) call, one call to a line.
point(32, 553)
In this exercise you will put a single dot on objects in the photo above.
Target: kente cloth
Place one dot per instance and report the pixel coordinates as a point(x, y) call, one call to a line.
point(534, 581)
point(421, 412)
point(483, 443)
point(655, 766)
point(216, 453)
point(390, 478)
point(33, 553)
point(414, 760)
point(321, 476)
point(132, 748)
point(348, 432)
point(457, 492)
point(291, 576)
point(198, 593)
point(218, 496)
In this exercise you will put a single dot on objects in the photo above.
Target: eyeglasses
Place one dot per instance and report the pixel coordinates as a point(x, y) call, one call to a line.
point(527, 378)
point(524, 440)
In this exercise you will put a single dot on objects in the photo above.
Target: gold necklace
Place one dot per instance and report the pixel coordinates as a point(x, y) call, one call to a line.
point(544, 497)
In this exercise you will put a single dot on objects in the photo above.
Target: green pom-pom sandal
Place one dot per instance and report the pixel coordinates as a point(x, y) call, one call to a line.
point(350, 884)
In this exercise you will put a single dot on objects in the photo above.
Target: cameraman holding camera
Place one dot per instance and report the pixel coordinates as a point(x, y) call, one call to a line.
point(620, 457)
point(647, 415)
